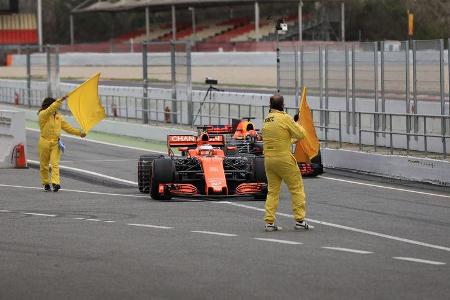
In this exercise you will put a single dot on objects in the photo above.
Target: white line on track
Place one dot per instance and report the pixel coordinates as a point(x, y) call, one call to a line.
point(418, 260)
point(368, 232)
point(215, 233)
point(278, 241)
point(383, 187)
point(93, 220)
point(76, 191)
point(102, 143)
point(150, 226)
point(4, 211)
point(96, 160)
point(40, 215)
point(89, 173)
point(348, 250)
point(79, 218)
point(109, 221)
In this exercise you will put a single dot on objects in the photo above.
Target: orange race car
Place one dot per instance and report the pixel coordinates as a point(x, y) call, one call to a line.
point(203, 169)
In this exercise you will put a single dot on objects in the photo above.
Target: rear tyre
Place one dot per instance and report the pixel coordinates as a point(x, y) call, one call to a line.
point(163, 171)
point(259, 172)
point(317, 164)
point(145, 172)
point(259, 176)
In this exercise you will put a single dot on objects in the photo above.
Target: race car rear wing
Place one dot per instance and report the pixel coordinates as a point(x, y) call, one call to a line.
point(192, 141)
point(216, 129)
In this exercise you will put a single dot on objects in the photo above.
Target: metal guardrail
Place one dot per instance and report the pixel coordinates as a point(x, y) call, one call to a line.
point(409, 119)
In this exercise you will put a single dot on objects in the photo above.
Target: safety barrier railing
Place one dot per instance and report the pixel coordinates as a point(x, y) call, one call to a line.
point(391, 131)
point(378, 132)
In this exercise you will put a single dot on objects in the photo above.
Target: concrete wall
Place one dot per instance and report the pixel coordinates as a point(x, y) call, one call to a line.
point(154, 59)
point(213, 58)
point(392, 166)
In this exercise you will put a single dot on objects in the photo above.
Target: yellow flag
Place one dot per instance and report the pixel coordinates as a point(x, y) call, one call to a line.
point(308, 147)
point(85, 104)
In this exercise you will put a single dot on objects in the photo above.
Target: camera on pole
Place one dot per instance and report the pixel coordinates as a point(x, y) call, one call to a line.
point(211, 82)
point(281, 26)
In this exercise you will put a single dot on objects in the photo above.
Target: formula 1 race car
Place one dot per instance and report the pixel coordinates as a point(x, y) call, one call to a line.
point(203, 169)
point(243, 135)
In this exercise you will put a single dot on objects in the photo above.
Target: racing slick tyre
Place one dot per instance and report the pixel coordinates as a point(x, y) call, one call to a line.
point(259, 172)
point(145, 171)
point(163, 170)
point(259, 175)
point(316, 161)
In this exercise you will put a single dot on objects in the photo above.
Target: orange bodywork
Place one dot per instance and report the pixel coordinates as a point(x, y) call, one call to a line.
point(243, 128)
point(206, 150)
point(212, 165)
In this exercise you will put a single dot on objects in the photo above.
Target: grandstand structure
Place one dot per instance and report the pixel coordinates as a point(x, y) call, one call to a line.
point(252, 21)
point(18, 25)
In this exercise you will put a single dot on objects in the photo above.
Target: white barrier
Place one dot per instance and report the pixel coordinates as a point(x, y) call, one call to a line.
point(12, 133)
point(391, 166)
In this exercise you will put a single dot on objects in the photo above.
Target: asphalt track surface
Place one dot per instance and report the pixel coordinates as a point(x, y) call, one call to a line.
point(372, 239)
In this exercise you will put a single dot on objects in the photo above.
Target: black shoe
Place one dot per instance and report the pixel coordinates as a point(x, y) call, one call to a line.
point(56, 187)
point(47, 187)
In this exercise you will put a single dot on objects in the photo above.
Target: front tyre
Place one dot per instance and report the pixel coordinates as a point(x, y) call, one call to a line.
point(145, 171)
point(163, 171)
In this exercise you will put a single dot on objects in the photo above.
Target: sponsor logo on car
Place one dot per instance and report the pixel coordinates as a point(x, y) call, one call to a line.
point(183, 138)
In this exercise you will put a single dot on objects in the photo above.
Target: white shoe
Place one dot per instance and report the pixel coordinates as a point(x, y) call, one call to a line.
point(299, 225)
point(269, 227)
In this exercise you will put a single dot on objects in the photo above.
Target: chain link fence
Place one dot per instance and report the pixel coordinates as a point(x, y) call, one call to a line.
point(372, 94)
point(174, 69)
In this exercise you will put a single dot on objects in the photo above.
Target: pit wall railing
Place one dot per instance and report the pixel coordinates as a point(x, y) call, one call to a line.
point(389, 133)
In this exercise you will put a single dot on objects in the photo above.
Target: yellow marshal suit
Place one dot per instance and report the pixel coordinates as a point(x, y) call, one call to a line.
point(50, 123)
point(279, 130)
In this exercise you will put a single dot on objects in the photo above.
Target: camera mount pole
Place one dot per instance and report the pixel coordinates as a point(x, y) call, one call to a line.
point(208, 92)
point(278, 59)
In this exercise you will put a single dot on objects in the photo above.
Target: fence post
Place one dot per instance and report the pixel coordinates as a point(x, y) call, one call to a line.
point(278, 65)
point(383, 95)
point(297, 89)
point(448, 69)
point(353, 89)
point(302, 82)
point(28, 76)
point(321, 87)
point(408, 104)
point(190, 111)
point(360, 132)
point(326, 82)
point(173, 72)
point(415, 111)
point(57, 75)
point(391, 140)
point(145, 84)
point(340, 130)
point(347, 103)
point(375, 70)
point(49, 72)
point(442, 95)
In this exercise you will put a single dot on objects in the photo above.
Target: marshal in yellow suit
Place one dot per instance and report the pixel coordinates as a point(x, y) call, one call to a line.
point(279, 131)
point(50, 123)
